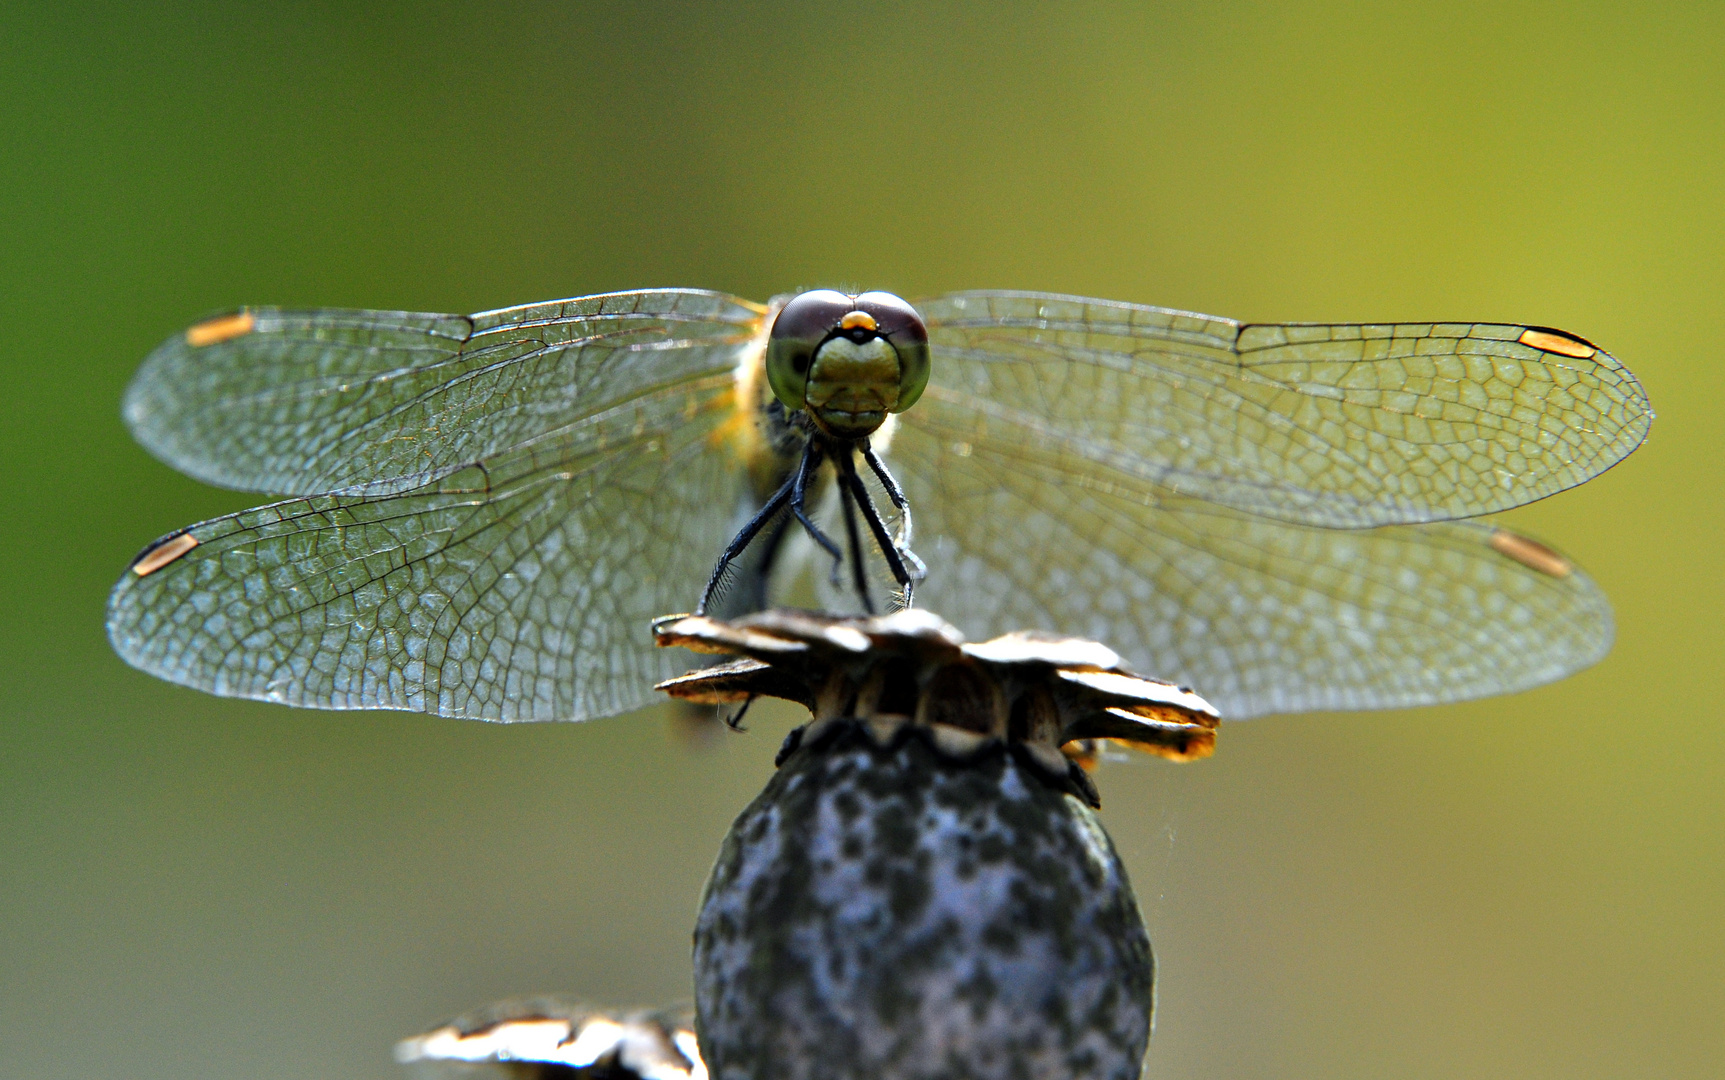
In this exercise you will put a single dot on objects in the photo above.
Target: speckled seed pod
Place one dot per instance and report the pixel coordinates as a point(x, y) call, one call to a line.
point(923, 889)
point(890, 911)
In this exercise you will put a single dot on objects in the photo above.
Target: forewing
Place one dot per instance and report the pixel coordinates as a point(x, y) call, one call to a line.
point(1334, 425)
point(1258, 615)
point(301, 402)
point(520, 588)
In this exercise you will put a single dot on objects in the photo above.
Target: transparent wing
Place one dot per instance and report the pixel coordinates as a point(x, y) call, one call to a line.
point(301, 402)
point(519, 588)
point(1258, 615)
point(1334, 425)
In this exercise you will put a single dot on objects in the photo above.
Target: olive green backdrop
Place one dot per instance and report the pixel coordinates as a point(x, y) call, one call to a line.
point(189, 887)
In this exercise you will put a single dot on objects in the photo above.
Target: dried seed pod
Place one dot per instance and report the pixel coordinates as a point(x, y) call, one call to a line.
point(923, 890)
point(550, 1039)
point(1029, 688)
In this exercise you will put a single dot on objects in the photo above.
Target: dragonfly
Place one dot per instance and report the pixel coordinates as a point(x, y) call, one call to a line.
point(479, 516)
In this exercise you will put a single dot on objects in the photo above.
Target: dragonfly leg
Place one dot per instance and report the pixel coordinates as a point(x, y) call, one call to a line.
point(742, 539)
point(747, 580)
point(811, 460)
point(918, 570)
point(859, 573)
point(767, 545)
point(735, 720)
point(895, 563)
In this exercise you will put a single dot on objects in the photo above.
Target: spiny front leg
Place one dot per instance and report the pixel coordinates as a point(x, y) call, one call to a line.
point(917, 568)
point(741, 541)
point(799, 495)
point(889, 550)
point(859, 573)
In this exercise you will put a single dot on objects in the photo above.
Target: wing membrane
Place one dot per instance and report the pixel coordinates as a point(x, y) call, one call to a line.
point(1330, 425)
point(302, 402)
point(1259, 615)
point(518, 588)
point(1259, 511)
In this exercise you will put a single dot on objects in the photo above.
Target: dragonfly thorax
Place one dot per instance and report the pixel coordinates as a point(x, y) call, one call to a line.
point(849, 361)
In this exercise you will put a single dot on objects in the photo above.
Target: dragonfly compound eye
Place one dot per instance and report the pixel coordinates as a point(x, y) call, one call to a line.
point(803, 325)
point(848, 360)
point(904, 330)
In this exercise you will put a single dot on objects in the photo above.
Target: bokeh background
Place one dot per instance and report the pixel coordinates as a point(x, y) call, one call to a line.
point(1529, 886)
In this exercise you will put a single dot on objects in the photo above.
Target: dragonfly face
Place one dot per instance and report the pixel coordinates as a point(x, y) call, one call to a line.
point(480, 515)
point(848, 360)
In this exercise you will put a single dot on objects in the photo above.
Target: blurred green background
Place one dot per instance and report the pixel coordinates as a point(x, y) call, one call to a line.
point(190, 887)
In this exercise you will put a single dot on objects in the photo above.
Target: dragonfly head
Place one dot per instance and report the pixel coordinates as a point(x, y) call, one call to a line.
point(849, 360)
